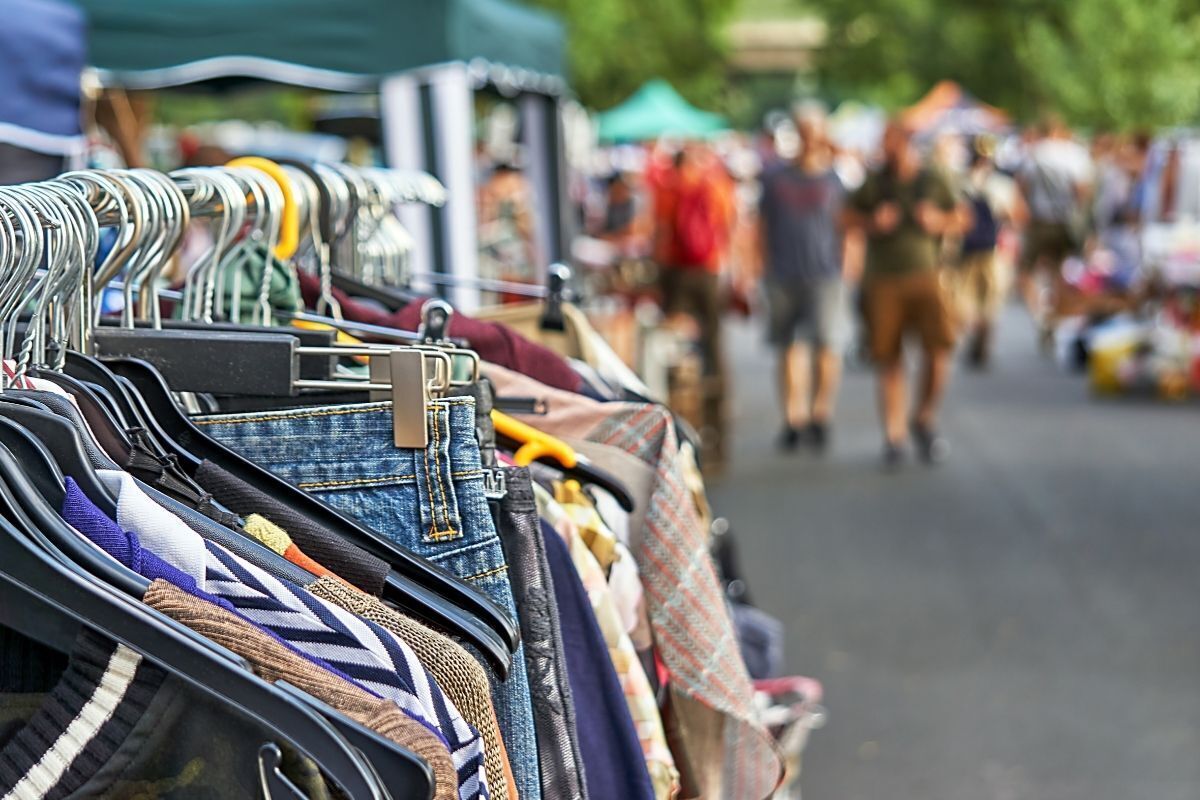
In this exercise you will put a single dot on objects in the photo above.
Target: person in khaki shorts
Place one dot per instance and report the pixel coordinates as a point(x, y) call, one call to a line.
point(977, 280)
point(904, 209)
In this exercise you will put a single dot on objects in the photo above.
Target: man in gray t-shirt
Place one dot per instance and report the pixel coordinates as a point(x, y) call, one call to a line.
point(802, 265)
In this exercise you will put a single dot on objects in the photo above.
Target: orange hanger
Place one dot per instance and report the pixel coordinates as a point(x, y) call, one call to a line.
point(534, 443)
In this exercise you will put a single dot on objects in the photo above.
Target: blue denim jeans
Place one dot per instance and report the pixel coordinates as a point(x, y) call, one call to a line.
point(429, 501)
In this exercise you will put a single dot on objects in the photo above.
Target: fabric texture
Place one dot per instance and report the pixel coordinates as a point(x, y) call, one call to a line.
point(234, 540)
point(117, 726)
point(562, 773)
point(373, 657)
point(493, 342)
point(277, 540)
point(370, 655)
point(459, 675)
point(346, 559)
point(431, 502)
point(609, 743)
point(274, 662)
point(716, 736)
point(571, 520)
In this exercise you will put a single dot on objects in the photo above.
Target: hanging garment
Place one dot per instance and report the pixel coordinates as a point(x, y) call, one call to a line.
point(612, 755)
point(541, 633)
point(274, 661)
point(276, 539)
point(429, 501)
point(348, 560)
point(369, 655)
point(496, 343)
point(460, 676)
point(721, 743)
point(584, 532)
point(117, 726)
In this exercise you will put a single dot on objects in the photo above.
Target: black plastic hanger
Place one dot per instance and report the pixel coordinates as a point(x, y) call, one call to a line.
point(90, 369)
point(389, 297)
point(110, 402)
point(586, 473)
point(49, 603)
point(420, 587)
point(41, 515)
point(27, 505)
point(87, 401)
point(39, 465)
point(62, 442)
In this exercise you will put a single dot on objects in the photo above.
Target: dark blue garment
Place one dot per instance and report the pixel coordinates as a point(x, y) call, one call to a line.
point(82, 515)
point(614, 765)
point(43, 46)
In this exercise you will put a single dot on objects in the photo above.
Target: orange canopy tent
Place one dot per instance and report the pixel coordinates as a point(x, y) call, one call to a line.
point(949, 107)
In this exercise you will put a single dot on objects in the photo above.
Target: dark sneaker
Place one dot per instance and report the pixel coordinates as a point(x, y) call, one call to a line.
point(931, 446)
point(789, 440)
point(818, 435)
point(894, 455)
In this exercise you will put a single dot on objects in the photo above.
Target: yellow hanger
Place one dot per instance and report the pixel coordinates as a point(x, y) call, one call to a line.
point(535, 443)
point(340, 336)
point(289, 227)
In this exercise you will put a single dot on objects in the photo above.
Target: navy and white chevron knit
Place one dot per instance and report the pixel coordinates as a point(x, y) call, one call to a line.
point(368, 653)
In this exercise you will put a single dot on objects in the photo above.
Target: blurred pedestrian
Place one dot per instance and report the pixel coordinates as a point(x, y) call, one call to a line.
point(801, 205)
point(1055, 179)
point(978, 283)
point(507, 250)
point(905, 209)
point(693, 212)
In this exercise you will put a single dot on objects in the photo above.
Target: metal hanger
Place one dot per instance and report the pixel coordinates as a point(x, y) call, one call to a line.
point(46, 610)
point(451, 604)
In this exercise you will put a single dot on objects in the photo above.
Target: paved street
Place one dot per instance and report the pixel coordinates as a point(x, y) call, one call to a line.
point(1022, 623)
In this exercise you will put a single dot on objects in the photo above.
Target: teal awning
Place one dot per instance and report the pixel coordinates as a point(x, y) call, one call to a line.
point(337, 44)
point(657, 110)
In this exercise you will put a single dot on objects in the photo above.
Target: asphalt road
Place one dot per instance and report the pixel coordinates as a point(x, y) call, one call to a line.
point(1022, 623)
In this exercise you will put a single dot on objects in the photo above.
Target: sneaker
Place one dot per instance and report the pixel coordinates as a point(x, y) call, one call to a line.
point(894, 455)
point(818, 435)
point(932, 446)
point(789, 440)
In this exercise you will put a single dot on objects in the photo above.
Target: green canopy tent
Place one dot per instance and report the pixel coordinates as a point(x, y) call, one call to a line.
point(655, 110)
point(425, 59)
point(345, 44)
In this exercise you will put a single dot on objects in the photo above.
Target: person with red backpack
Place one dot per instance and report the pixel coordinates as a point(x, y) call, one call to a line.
point(693, 210)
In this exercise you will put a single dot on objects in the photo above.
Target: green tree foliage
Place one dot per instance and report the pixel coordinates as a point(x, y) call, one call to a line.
point(617, 45)
point(1110, 63)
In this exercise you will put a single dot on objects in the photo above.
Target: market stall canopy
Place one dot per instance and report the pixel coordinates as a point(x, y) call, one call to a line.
point(657, 110)
point(42, 49)
point(344, 45)
point(950, 108)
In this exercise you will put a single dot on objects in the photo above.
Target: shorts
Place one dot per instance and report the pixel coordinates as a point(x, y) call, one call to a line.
point(1046, 242)
point(977, 287)
point(915, 302)
point(810, 312)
